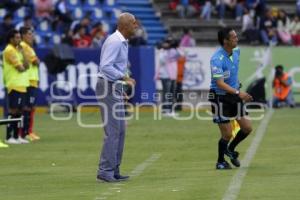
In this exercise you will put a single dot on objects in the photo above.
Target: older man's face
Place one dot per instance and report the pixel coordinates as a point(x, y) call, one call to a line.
point(132, 26)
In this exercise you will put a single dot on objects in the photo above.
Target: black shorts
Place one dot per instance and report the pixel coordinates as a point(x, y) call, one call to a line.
point(30, 97)
point(226, 107)
point(16, 100)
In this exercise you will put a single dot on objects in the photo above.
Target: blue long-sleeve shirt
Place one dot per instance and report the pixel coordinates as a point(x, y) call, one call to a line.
point(114, 57)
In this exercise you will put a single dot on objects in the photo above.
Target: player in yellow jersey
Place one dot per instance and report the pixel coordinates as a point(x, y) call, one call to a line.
point(33, 74)
point(16, 81)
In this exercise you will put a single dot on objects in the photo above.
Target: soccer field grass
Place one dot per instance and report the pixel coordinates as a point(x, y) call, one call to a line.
point(62, 165)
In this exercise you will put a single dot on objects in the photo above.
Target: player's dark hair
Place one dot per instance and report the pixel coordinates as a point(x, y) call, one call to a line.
point(24, 30)
point(224, 34)
point(11, 34)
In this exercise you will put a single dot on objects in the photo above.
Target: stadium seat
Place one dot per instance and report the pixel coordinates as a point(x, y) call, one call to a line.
point(95, 12)
point(44, 26)
point(98, 14)
point(21, 13)
point(77, 13)
point(2, 13)
point(38, 39)
point(56, 39)
point(109, 3)
point(91, 3)
point(73, 3)
point(106, 26)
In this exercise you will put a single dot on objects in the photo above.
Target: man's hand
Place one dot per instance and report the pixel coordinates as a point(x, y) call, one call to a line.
point(36, 62)
point(129, 81)
point(245, 96)
point(20, 68)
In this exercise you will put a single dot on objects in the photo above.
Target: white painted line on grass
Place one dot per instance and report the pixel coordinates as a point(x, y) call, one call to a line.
point(141, 167)
point(237, 180)
point(134, 173)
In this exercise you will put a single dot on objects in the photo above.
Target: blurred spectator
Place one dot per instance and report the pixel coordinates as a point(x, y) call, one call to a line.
point(295, 30)
point(257, 8)
point(166, 71)
point(248, 28)
point(84, 22)
point(261, 8)
point(98, 35)
point(185, 8)
point(5, 27)
point(206, 10)
point(62, 12)
point(67, 37)
point(252, 4)
point(298, 8)
point(268, 25)
point(187, 40)
point(27, 22)
point(283, 27)
point(282, 84)
point(81, 39)
point(180, 76)
point(140, 37)
point(235, 6)
point(43, 9)
point(10, 5)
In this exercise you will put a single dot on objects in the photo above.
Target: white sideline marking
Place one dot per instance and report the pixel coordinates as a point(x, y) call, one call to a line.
point(134, 173)
point(141, 167)
point(237, 180)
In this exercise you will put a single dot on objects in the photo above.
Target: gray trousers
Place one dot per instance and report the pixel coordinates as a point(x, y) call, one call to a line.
point(110, 97)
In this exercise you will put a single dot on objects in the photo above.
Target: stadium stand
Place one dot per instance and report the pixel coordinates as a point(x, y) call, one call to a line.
point(155, 16)
point(205, 31)
point(144, 11)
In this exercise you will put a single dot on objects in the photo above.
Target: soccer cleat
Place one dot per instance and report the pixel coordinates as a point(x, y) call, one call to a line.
point(33, 136)
point(233, 155)
point(12, 141)
point(223, 165)
point(23, 140)
point(3, 145)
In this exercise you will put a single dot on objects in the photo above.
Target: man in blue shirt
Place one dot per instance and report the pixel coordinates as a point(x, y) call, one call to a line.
point(110, 94)
point(226, 98)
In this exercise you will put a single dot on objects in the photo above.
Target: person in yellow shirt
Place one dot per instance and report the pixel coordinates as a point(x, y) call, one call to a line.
point(16, 81)
point(33, 74)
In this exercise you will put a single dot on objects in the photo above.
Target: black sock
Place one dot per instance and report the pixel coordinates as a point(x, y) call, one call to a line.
point(222, 148)
point(9, 128)
point(15, 126)
point(240, 136)
point(26, 118)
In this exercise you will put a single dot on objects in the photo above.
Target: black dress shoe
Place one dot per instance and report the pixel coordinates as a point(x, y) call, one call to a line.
point(107, 179)
point(121, 178)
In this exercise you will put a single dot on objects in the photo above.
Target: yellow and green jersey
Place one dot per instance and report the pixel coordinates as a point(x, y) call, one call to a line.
point(14, 79)
point(31, 57)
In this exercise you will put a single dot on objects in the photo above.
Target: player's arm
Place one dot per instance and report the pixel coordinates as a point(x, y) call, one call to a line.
point(25, 58)
point(243, 95)
point(33, 59)
point(12, 58)
point(218, 75)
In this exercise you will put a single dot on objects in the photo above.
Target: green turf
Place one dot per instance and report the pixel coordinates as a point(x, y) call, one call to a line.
point(286, 56)
point(63, 164)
